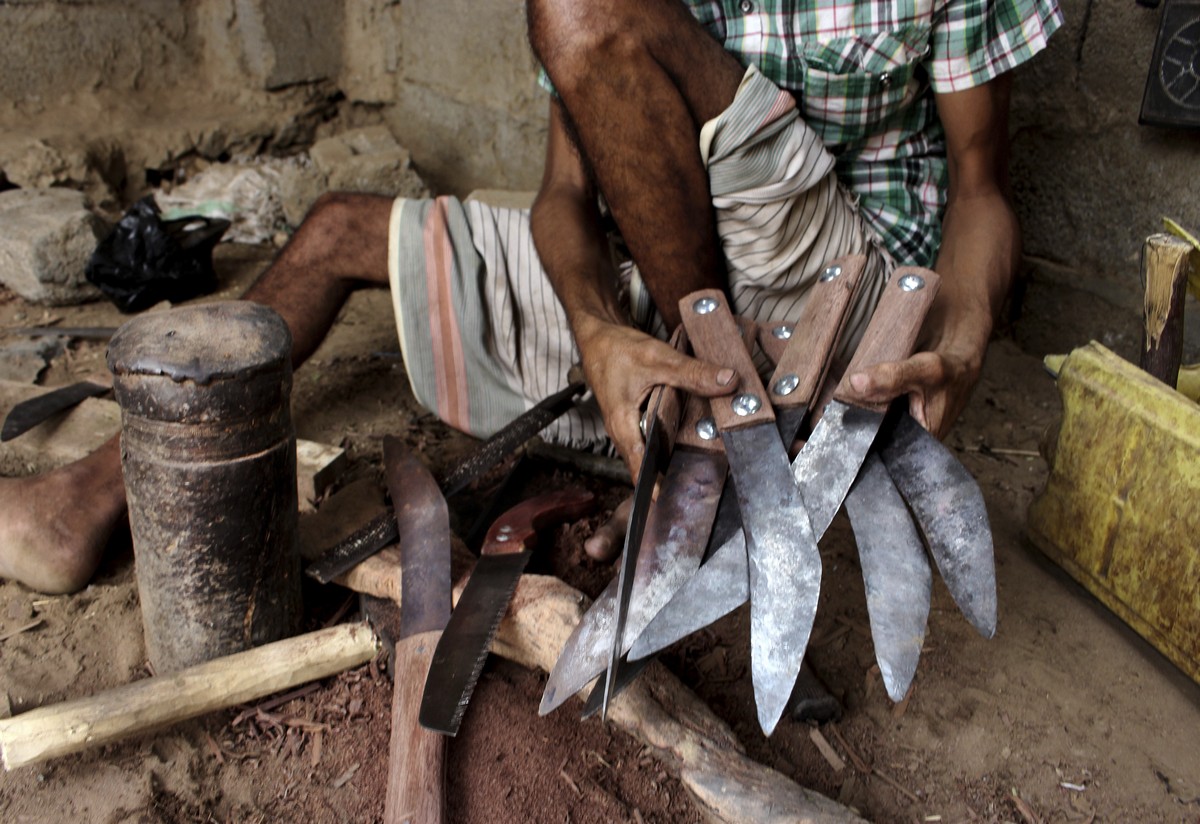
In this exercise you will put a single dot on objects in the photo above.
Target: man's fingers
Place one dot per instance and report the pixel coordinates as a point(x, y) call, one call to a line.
point(885, 381)
point(608, 539)
point(696, 376)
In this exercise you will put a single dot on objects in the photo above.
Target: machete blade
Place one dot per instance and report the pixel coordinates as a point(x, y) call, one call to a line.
point(784, 564)
point(949, 507)
point(895, 573)
point(28, 414)
point(423, 523)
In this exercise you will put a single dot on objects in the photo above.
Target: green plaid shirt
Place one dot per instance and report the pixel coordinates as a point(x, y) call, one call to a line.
point(864, 73)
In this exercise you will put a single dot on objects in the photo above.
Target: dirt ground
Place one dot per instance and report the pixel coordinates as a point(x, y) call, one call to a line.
point(1066, 715)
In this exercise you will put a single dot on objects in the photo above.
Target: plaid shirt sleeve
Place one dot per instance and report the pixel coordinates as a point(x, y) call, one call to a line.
point(978, 40)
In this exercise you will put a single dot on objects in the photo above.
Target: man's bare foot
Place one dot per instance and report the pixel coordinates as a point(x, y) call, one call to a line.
point(607, 541)
point(54, 527)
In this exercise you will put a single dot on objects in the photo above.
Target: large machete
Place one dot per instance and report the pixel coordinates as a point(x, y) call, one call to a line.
point(784, 564)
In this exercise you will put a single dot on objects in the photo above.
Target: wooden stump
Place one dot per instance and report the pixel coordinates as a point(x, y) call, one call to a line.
point(1166, 261)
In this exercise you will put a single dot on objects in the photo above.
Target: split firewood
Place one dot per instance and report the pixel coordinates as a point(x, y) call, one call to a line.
point(1166, 261)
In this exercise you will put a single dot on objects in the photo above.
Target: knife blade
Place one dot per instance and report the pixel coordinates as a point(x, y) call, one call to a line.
point(784, 564)
point(895, 573)
point(29, 413)
point(416, 758)
point(949, 507)
point(381, 530)
point(464, 645)
point(829, 461)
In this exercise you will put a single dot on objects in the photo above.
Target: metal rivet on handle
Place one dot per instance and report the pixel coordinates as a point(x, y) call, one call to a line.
point(746, 404)
point(502, 537)
point(782, 332)
point(706, 429)
point(786, 385)
point(506, 528)
point(705, 305)
point(912, 283)
point(830, 273)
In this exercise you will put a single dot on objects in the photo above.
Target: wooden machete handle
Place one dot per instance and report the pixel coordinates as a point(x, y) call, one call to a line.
point(417, 757)
point(893, 329)
point(804, 355)
point(717, 339)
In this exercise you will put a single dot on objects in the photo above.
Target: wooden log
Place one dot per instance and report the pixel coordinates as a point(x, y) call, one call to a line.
point(1166, 262)
point(72, 726)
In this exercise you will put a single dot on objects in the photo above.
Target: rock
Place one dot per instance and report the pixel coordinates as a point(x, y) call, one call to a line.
point(46, 238)
point(361, 160)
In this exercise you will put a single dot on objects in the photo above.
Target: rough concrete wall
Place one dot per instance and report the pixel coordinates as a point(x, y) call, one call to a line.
point(1091, 183)
point(51, 52)
point(467, 105)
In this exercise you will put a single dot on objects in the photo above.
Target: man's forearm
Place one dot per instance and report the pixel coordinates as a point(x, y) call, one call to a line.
point(978, 260)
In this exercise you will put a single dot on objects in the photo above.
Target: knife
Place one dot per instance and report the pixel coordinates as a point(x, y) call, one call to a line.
point(416, 757)
point(784, 564)
point(895, 574)
point(830, 460)
point(463, 647)
point(949, 507)
point(29, 413)
point(381, 530)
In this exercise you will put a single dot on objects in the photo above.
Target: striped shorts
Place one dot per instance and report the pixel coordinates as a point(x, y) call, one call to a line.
point(483, 335)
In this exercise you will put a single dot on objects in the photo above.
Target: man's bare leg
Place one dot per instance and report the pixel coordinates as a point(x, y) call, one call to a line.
point(638, 80)
point(54, 527)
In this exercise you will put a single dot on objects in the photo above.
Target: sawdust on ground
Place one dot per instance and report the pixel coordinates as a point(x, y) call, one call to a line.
point(1065, 716)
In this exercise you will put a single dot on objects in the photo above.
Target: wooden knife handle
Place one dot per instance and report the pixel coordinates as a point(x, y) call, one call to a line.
point(893, 329)
point(716, 338)
point(671, 406)
point(516, 530)
point(804, 356)
point(416, 788)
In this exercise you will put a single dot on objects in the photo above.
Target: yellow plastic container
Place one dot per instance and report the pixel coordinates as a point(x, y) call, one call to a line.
point(1121, 508)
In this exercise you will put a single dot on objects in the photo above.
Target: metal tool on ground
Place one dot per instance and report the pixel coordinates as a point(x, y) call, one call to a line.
point(381, 531)
point(683, 528)
point(784, 564)
point(464, 645)
point(829, 461)
point(28, 414)
point(949, 508)
point(416, 760)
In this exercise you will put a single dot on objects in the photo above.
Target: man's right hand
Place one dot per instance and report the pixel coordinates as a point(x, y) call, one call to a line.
point(622, 365)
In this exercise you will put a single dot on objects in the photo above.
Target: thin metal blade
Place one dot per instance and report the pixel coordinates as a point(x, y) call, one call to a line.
point(510, 436)
point(630, 670)
point(895, 572)
point(423, 522)
point(784, 564)
point(28, 414)
point(717, 589)
point(676, 532)
point(642, 494)
point(462, 649)
point(949, 507)
point(830, 460)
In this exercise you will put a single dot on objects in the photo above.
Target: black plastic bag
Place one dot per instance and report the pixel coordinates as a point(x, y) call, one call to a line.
point(146, 259)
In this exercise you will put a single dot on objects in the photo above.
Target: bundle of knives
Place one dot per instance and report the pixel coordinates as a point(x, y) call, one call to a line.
point(701, 549)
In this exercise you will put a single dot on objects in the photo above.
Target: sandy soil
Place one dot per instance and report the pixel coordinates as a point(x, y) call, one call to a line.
point(1065, 716)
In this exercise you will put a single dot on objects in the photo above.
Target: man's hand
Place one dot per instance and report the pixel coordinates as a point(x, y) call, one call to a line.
point(622, 366)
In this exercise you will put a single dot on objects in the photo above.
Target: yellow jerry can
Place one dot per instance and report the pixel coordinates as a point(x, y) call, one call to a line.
point(1121, 508)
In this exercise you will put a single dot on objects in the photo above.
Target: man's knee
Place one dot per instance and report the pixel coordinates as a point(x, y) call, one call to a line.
point(345, 235)
point(573, 38)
